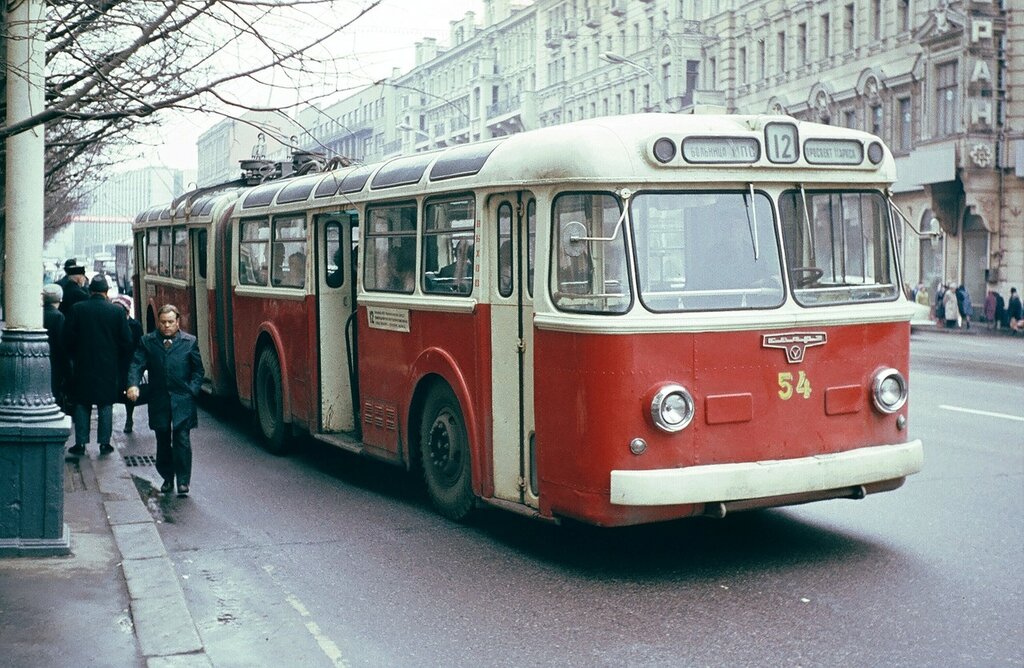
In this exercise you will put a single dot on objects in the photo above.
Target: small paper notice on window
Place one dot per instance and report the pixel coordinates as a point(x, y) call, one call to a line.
point(393, 319)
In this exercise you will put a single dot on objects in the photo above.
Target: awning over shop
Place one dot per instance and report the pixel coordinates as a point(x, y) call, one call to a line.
point(926, 165)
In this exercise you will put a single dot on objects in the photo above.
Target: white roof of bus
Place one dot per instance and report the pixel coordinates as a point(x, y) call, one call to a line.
point(611, 148)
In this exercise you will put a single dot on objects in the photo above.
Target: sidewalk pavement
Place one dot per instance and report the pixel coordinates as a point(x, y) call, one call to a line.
point(976, 329)
point(116, 600)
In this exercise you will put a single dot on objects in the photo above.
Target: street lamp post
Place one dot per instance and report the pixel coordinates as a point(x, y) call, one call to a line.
point(32, 428)
point(616, 59)
point(405, 127)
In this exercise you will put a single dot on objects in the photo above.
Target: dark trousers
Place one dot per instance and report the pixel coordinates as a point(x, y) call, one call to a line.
point(174, 454)
point(81, 416)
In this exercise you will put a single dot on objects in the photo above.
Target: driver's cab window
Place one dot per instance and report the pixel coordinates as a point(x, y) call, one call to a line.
point(590, 272)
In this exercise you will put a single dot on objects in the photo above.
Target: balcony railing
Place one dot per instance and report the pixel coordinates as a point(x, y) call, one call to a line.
point(503, 107)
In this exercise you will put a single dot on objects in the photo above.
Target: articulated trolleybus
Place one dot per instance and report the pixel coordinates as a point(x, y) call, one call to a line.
point(620, 320)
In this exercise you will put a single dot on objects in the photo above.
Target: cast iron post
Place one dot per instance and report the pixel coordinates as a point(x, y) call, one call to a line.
point(32, 428)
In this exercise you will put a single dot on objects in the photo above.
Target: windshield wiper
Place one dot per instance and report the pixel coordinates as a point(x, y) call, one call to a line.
point(752, 221)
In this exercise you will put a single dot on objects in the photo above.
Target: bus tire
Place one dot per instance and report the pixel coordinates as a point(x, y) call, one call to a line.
point(269, 403)
point(444, 450)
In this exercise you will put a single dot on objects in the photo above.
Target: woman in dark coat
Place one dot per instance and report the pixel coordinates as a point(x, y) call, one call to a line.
point(95, 337)
point(53, 322)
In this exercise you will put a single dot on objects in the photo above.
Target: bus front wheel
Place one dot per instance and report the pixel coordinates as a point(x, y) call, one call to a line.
point(444, 450)
point(269, 404)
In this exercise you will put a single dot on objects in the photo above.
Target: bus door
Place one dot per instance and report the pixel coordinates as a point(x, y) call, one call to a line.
point(200, 296)
point(512, 218)
point(336, 299)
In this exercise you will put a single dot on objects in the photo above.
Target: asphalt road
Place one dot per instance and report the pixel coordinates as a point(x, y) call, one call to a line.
point(326, 559)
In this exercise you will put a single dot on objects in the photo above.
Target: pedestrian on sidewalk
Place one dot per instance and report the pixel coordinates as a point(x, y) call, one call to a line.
point(175, 377)
point(73, 285)
point(964, 306)
point(95, 336)
point(949, 308)
point(1016, 312)
point(135, 327)
point(53, 322)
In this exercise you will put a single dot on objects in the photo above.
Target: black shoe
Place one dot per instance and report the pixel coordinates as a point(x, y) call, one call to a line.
point(106, 448)
point(77, 449)
point(167, 486)
point(182, 490)
point(128, 427)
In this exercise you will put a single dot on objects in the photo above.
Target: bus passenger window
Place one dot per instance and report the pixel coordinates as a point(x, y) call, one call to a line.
point(179, 252)
point(531, 242)
point(505, 249)
point(165, 251)
point(288, 264)
point(252, 252)
point(390, 258)
point(449, 246)
point(153, 252)
point(335, 276)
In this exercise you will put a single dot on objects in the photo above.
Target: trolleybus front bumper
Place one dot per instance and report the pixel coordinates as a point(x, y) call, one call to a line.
point(809, 476)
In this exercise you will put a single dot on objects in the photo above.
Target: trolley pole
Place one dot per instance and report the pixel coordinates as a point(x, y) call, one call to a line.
point(32, 428)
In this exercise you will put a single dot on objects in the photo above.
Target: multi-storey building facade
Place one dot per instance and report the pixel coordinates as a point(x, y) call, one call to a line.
point(112, 206)
point(939, 80)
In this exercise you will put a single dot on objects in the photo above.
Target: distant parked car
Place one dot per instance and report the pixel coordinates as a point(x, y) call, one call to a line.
point(922, 316)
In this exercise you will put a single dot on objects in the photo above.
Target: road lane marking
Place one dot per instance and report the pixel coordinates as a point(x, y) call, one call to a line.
point(1002, 416)
point(327, 646)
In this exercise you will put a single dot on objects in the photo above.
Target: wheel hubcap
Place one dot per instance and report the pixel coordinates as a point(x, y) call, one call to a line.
point(445, 457)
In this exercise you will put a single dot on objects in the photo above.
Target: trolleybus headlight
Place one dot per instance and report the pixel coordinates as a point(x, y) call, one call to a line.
point(672, 408)
point(875, 153)
point(889, 390)
point(664, 150)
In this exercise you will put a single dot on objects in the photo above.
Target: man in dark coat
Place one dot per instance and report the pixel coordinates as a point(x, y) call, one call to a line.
point(175, 378)
point(95, 336)
point(73, 286)
point(53, 322)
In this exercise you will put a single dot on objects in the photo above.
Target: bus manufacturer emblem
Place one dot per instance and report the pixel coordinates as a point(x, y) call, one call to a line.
point(794, 343)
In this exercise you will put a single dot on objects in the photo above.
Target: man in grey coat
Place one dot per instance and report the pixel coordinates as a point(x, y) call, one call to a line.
point(175, 377)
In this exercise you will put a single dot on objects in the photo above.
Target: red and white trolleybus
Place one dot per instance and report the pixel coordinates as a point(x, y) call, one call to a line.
point(620, 320)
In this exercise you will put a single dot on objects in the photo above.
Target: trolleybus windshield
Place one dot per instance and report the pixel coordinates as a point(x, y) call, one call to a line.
point(701, 251)
point(838, 247)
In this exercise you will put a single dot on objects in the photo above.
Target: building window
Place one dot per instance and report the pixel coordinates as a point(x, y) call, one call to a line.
point(780, 52)
point(876, 119)
point(848, 24)
point(946, 111)
point(760, 60)
point(742, 64)
point(903, 7)
point(906, 138)
point(826, 36)
point(712, 81)
point(850, 118)
point(801, 44)
point(876, 19)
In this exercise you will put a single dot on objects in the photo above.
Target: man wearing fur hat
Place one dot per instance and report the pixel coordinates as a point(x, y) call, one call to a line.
point(96, 336)
point(73, 285)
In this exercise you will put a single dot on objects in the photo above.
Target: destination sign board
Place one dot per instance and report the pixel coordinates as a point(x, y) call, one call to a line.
point(721, 149)
point(834, 151)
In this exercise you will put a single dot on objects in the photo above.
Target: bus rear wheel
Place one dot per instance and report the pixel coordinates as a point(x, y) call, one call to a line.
point(269, 403)
point(444, 450)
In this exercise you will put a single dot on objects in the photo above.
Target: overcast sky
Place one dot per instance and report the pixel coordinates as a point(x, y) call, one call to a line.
point(385, 38)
